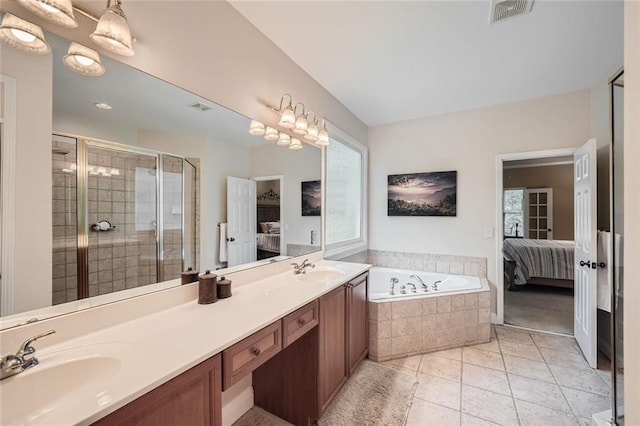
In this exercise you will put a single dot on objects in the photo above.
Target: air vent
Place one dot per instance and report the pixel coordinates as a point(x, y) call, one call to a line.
point(200, 106)
point(505, 9)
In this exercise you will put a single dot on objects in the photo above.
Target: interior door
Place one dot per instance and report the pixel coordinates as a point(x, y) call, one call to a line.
point(539, 213)
point(585, 290)
point(241, 221)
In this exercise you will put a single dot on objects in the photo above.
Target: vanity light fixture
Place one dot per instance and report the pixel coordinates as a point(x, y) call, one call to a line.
point(83, 60)
point(113, 32)
point(287, 115)
point(271, 134)
point(102, 105)
point(256, 128)
point(284, 139)
point(312, 130)
point(23, 35)
point(295, 144)
point(57, 11)
point(301, 121)
point(323, 135)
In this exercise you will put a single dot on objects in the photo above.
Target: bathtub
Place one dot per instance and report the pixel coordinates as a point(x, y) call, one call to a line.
point(380, 284)
point(456, 314)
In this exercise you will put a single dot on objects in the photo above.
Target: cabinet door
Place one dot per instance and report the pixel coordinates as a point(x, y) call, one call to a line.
point(358, 324)
point(332, 360)
point(193, 398)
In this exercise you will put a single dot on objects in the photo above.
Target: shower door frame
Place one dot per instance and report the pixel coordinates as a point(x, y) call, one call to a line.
point(83, 144)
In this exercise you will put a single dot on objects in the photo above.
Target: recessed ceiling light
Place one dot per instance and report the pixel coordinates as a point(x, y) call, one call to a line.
point(102, 105)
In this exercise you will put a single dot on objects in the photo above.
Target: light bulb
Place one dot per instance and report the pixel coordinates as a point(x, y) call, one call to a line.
point(48, 8)
point(23, 35)
point(83, 60)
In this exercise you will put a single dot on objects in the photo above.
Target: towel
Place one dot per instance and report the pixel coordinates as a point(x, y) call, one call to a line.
point(223, 242)
point(604, 274)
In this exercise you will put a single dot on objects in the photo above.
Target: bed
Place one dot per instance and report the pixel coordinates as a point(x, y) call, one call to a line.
point(543, 262)
point(268, 235)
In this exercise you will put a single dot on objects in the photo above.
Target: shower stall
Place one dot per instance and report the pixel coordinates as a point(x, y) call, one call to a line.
point(123, 217)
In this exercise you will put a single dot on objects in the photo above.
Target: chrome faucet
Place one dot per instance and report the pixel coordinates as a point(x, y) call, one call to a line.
point(424, 286)
point(435, 285)
point(23, 359)
point(394, 281)
point(402, 289)
point(302, 268)
point(414, 287)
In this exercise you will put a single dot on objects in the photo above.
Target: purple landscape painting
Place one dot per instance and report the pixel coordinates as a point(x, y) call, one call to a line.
point(311, 198)
point(422, 194)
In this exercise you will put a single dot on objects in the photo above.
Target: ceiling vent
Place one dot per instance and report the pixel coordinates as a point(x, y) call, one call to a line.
point(200, 106)
point(505, 9)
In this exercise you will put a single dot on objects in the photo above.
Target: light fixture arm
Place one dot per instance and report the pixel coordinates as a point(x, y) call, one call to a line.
point(315, 117)
point(282, 100)
point(296, 107)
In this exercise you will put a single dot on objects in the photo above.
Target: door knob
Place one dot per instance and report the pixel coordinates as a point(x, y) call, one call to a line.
point(231, 239)
point(587, 263)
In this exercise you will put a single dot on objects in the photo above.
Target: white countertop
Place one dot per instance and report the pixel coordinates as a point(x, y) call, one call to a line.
point(155, 348)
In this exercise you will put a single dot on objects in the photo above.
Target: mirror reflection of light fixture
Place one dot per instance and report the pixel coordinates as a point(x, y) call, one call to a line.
point(83, 60)
point(323, 135)
point(284, 139)
point(295, 144)
point(113, 32)
point(301, 121)
point(312, 130)
point(256, 128)
point(57, 11)
point(23, 35)
point(287, 116)
point(271, 134)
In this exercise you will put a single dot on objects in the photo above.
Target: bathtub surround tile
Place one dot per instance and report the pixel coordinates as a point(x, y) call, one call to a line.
point(520, 350)
point(443, 321)
point(438, 391)
point(482, 358)
point(405, 309)
point(484, 333)
point(584, 404)
point(541, 393)
point(444, 304)
point(429, 305)
point(429, 266)
point(425, 413)
point(406, 326)
point(457, 302)
point(417, 262)
point(404, 262)
point(380, 311)
point(442, 367)
point(485, 378)
point(471, 335)
point(527, 368)
point(408, 344)
point(489, 406)
point(442, 267)
point(582, 379)
point(484, 315)
point(536, 415)
point(471, 301)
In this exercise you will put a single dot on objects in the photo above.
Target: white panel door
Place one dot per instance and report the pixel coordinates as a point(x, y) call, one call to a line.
point(585, 290)
point(241, 221)
point(539, 214)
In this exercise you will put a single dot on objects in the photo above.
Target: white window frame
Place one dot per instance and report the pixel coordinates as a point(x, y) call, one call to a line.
point(524, 213)
point(354, 245)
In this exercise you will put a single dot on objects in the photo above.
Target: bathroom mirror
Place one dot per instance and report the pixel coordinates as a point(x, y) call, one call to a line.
point(155, 162)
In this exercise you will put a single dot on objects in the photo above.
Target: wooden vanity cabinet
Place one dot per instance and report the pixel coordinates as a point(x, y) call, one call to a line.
point(357, 322)
point(193, 398)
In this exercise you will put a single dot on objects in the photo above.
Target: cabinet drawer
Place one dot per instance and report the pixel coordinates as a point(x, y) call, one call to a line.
point(245, 356)
point(296, 324)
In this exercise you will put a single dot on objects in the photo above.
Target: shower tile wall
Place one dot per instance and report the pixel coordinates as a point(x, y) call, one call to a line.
point(65, 237)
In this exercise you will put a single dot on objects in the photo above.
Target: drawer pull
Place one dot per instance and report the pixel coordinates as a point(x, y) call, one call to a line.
point(302, 321)
point(255, 351)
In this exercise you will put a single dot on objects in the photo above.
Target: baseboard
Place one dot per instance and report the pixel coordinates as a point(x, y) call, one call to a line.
point(236, 408)
point(494, 319)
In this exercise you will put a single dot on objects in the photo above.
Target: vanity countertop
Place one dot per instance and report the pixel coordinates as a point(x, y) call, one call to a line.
point(153, 349)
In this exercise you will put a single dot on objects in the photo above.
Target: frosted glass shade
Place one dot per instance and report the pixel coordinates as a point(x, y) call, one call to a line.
point(23, 35)
point(256, 128)
point(271, 134)
point(113, 33)
point(312, 133)
point(323, 137)
point(295, 144)
point(83, 60)
point(287, 118)
point(57, 11)
point(301, 125)
point(284, 139)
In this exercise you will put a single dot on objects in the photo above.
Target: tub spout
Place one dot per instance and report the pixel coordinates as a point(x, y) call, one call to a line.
point(414, 287)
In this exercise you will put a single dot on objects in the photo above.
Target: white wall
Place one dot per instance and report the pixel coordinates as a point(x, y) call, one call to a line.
point(468, 142)
point(33, 232)
point(632, 210)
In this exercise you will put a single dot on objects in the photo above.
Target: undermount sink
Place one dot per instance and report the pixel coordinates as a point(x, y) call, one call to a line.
point(320, 274)
point(69, 376)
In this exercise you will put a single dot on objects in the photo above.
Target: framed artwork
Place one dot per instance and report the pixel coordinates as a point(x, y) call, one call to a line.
point(422, 194)
point(311, 198)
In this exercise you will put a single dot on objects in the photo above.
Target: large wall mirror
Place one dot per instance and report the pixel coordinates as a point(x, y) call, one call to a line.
point(123, 181)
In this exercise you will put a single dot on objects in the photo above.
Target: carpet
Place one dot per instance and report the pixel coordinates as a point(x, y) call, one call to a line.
point(258, 417)
point(374, 395)
point(540, 308)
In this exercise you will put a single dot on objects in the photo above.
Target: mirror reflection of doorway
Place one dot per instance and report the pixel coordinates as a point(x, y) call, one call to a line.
point(269, 217)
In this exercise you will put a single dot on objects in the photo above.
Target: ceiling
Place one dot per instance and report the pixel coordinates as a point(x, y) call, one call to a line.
point(391, 61)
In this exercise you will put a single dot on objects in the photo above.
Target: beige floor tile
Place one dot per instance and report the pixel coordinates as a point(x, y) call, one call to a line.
point(455, 353)
point(585, 404)
point(439, 391)
point(513, 335)
point(424, 413)
point(410, 363)
point(491, 346)
point(528, 368)
point(521, 350)
point(537, 392)
point(485, 378)
point(583, 379)
point(469, 420)
point(584, 421)
point(488, 406)
point(536, 415)
point(553, 341)
point(482, 358)
point(564, 359)
point(442, 367)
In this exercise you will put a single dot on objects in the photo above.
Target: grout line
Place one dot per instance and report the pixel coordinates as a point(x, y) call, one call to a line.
point(506, 373)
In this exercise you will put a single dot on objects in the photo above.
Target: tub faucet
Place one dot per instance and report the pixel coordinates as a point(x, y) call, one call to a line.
point(424, 286)
point(23, 359)
point(435, 285)
point(402, 289)
point(414, 287)
point(302, 268)
point(394, 281)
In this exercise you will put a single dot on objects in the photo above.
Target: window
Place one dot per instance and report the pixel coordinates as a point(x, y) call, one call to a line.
point(345, 195)
point(513, 213)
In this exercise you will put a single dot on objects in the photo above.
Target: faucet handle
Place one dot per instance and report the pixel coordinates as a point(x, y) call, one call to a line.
point(27, 349)
point(295, 265)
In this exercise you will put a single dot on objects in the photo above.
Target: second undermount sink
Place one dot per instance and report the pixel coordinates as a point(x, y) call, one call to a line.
point(320, 274)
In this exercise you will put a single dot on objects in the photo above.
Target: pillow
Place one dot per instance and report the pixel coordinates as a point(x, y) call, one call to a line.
point(273, 227)
point(264, 227)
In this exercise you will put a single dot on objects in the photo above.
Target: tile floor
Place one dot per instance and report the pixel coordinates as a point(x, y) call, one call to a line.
point(519, 378)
